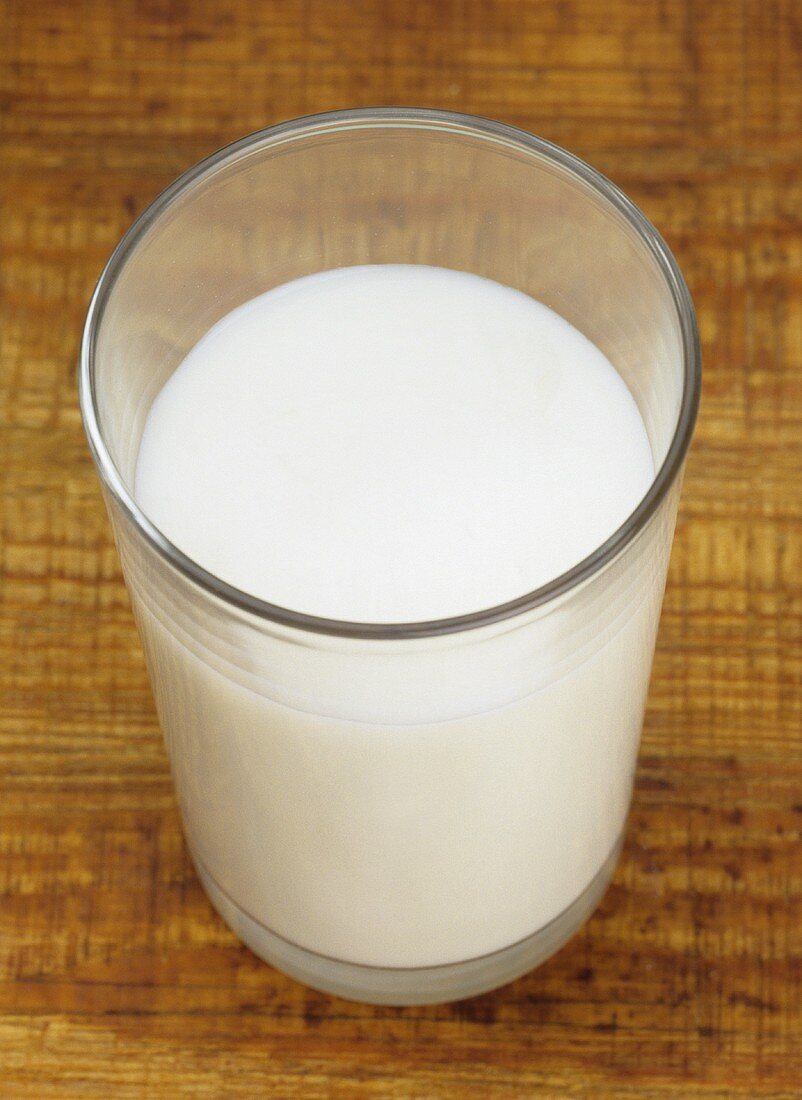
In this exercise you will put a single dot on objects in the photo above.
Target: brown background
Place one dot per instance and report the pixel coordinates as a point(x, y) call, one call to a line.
point(116, 978)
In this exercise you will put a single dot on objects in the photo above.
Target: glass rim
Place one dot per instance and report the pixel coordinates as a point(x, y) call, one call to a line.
point(409, 118)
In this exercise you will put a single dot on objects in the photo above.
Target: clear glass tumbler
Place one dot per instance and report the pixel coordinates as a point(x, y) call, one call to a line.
point(409, 812)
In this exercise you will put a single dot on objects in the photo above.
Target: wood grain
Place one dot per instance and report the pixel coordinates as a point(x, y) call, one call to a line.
point(116, 978)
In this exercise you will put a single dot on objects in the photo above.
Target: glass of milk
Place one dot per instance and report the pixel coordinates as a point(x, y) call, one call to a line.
point(390, 409)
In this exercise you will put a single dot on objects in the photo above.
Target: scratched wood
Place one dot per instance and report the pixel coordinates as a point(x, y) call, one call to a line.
point(116, 978)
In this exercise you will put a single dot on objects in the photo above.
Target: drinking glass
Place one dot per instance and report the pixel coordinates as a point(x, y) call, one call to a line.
point(399, 812)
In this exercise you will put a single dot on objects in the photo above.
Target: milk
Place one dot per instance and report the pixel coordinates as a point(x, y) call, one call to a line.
point(391, 444)
point(399, 444)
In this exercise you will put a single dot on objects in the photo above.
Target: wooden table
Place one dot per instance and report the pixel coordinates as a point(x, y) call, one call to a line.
point(116, 978)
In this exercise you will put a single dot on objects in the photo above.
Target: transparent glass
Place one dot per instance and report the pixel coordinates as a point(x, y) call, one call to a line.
point(404, 812)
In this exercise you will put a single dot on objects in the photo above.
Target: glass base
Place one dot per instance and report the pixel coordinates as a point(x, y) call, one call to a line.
point(412, 985)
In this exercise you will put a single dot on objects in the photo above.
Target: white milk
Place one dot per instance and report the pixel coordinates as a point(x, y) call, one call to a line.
point(392, 443)
point(395, 444)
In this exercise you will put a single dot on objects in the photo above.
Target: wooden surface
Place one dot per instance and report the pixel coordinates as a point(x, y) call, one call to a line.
point(116, 978)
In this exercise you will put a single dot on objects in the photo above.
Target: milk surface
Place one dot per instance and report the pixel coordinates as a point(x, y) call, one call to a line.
point(392, 443)
point(395, 444)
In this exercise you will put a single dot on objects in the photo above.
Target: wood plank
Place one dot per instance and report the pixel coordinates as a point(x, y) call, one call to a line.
point(116, 978)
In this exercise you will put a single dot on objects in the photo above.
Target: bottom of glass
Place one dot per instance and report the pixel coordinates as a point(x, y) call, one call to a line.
point(413, 985)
